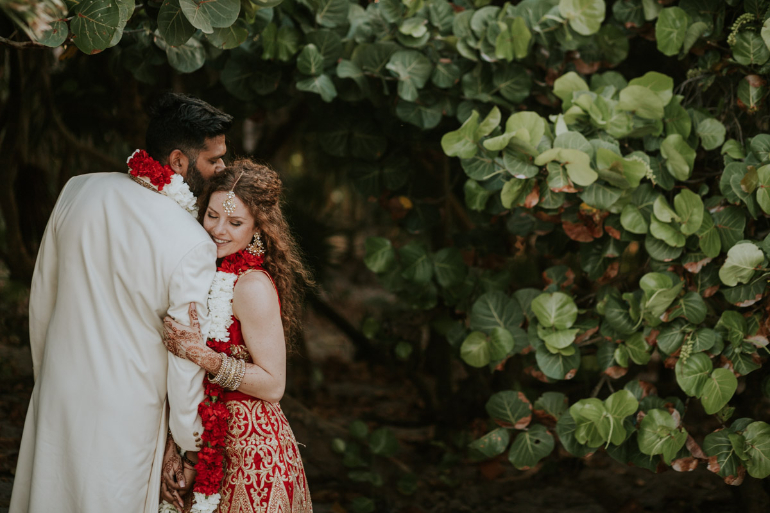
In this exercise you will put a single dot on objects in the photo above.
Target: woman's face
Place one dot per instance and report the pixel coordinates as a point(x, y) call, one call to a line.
point(230, 233)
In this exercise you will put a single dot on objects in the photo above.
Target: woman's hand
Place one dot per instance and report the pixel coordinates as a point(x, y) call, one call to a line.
point(188, 342)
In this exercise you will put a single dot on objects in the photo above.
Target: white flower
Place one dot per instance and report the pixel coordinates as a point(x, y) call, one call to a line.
point(205, 503)
point(180, 192)
point(165, 507)
point(221, 305)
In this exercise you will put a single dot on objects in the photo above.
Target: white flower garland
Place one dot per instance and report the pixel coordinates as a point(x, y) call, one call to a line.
point(220, 305)
point(177, 190)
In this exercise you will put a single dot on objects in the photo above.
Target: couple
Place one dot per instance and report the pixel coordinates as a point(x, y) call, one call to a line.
point(111, 406)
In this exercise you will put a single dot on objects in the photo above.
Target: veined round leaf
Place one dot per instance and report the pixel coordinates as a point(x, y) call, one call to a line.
point(418, 267)
point(475, 350)
point(531, 121)
point(566, 428)
point(445, 75)
point(631, 219)
point(380, 255)
point(173, 25)
point(321, 85)
point(660, 84)
point(677, 120)
point(230, 37)
point(691, 306)
point(671, 30)
point(331, 13)
point(585, 16)
point(55, 35)
point(641, 101)
point(705, 339)
point(530, 447)
point(658, 434)
point(659, 250)
point(666, 233)
point(449, 267)
point(461, 142)
point(618, 406)
point(692, 374)
point(510, 409)
point(328, 43)
point(638, 349)
point(495, 310)
point(413, 70)
point(749, 49)
point(712, 133)
point(689, 207)
point(553, 404)
point(310, 61)
point(742, 261)
point(500, 343)
point(763, 188)
point(493, 443)
point(556, 310)
point(718, 444)
point(476, 196)
point(680, 158)
point(209, 14)
point(718, 390)
point(94, 23)
point(557, 366)
point(187, 58)
point(757, 437)
point(513, 82)
point(383, 442)
point(729, 223)
point(565, 85)
point(420, 115)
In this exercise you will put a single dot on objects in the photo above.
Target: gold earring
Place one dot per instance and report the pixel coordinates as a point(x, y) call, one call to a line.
point(256, 247)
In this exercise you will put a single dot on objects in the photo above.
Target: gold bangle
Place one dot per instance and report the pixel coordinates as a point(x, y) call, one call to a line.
point(217, 380)
point(241, 372)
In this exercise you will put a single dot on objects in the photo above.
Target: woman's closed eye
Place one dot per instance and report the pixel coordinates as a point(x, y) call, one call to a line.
point(235, 224)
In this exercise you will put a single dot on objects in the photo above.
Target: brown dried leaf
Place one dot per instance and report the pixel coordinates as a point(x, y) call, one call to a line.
point(695, 267)
point(616, 371)
point(685, 464)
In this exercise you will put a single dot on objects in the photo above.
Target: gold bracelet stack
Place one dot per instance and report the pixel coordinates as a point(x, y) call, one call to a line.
point(231, 372)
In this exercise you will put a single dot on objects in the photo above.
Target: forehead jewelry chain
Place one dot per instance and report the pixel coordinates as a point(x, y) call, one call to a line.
point(229, 204)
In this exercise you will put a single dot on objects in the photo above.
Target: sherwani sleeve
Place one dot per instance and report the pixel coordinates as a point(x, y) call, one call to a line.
point(190, 283)
point(45, 285)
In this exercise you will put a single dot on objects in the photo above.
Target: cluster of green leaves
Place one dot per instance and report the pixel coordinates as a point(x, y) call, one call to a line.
point(360, 454)
point(646, 222)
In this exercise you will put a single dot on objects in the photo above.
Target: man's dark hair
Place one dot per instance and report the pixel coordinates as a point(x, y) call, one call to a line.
point(181, 122)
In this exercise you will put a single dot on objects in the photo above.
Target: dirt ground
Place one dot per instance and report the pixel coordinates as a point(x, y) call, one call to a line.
point(328, 390)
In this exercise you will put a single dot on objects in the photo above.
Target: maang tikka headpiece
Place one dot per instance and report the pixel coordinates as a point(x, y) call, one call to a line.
point(229, 205)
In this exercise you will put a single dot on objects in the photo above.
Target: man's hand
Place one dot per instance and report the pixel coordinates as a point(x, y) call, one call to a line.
point(188, 342)
point(173, 484)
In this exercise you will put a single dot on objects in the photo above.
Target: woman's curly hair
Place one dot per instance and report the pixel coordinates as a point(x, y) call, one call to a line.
point(259, 187)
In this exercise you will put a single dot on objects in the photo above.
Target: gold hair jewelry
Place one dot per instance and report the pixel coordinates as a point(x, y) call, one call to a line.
point(256, 247)
point(229, 205)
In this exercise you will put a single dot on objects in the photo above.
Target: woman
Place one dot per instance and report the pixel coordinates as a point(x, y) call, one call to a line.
point(255, 307)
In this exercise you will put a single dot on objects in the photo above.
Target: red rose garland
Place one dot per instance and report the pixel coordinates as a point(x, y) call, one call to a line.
point(142, 165)
point(213, 412)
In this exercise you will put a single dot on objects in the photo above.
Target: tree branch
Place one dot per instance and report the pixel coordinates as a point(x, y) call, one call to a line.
point(22, 45)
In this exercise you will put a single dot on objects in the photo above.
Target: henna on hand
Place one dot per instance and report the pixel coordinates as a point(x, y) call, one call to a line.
point(172, 474)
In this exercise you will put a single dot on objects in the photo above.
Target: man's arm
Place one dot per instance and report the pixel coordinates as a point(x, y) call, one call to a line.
point(190, 283)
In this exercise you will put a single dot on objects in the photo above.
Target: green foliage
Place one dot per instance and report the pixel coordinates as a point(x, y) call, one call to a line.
point(642, 201)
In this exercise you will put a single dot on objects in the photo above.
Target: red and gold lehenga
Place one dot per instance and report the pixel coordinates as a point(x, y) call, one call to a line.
point(263, 467)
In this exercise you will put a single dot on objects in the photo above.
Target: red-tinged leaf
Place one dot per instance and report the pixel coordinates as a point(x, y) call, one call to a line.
point(610, 273)
point(652, 338)
point(647, 388)
point(552, 218)
point(710, 291)
point(491, 469)
point(538, 375)
point(613, 232)
point(736, 480)
point(616, 371)
point(586, 68)
point(724, 363)
point(545, 418)
point(714, 465)
point(750, 302)
point(567, 188)
point(685, 464)
point(695, 267)
point(578, 231)
point(528, 349)
point(758, 340)
point(694, 448)
point(755, 80)
point(570, 374)
point(586, 335)
point(670, 362)
point(533, 198)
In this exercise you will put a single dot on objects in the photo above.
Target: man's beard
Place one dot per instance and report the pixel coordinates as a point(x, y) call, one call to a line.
point(195, 180)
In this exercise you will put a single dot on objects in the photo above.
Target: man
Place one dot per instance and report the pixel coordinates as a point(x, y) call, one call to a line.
point(116, 256)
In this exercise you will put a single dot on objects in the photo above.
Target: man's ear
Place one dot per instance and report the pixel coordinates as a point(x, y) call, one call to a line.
point(178, 162)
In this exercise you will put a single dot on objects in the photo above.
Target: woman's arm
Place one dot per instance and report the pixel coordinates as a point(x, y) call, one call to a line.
point(256, 306)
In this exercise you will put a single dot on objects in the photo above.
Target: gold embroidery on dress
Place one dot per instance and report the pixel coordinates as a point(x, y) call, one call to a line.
point(263, 464)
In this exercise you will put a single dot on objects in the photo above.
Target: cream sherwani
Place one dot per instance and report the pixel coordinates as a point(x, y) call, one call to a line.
point(114, 260)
